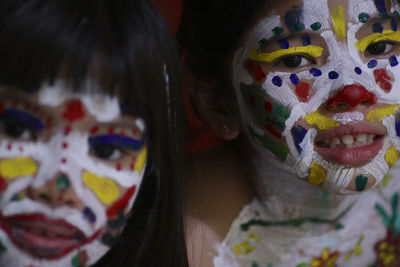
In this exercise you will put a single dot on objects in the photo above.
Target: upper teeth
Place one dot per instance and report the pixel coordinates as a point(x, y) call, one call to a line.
point(348, 141)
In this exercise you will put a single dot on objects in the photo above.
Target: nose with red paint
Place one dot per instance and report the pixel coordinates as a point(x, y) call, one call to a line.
point(349, 97)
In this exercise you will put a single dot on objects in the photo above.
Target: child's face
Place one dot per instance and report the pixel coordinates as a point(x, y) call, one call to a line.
point(318, 83)
point(70, 169)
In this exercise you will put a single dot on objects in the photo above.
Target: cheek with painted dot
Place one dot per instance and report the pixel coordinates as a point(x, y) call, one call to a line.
point(11, 169)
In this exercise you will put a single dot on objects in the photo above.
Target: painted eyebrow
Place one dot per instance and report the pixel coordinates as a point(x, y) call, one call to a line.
point(311, 50)
point(34, 123)
point(390, 35)
point(119, 140)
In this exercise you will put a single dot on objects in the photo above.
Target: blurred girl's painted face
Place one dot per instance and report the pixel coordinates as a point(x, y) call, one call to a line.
point(318, 86)
point(70, 169)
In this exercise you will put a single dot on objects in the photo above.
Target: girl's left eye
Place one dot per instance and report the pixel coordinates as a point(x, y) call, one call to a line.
point(17, 129)
point(294, 61)
point(106, 151)
point(379, 48)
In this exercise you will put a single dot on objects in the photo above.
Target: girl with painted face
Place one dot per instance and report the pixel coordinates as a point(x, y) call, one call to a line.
point(314, 88)
point(89, 136)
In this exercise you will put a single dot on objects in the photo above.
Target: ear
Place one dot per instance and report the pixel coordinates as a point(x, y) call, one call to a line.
point(208, 101)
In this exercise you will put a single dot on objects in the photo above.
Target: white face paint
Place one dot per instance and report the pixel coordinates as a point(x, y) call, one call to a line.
point(70, 169)
point(315, 85)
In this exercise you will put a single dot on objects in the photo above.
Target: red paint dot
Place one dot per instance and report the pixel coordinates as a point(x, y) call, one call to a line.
point(268, 106)
point(67, 130)
point(132, 166)
point(122, 133)
point(118, 166)
point(65, 145)
point(27, 107)
point(60, 198)
point(94, 130)
point(134, 131)
point(74, 111)
point(9, 146)
point(383, 79)
point(3, 185)
point(255, 70)
point(111, 130)
point(1, 108)
point(303, 91)
point(21, 149)
point(252, 101)
point(63, 160)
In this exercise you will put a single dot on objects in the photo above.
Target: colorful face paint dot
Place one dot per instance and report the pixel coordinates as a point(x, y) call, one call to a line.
point(303, 91)
point(397, 125)
point(277, 31)
point(277, 81)
point(298, 133)
point(361, 182)
point(363, 17)
point(396, 13)
point(316, 26)
point(3, 185)
point(381, 6)
point(315, 72)
point(267, 106)
point(294, 19)
point(74, 111)
point(62, 183)
point(394, 24)
point(317, 174)
point(306, 40)
point(391, 156)
point(357, 70)
point(322, 122)
point(294, 79)
point(89, 215)
point(255, 70)
point(283, 43)
point(372, 64)
point(262, 43)
point(393, 61)
point(333, 75)
point(383, 79)
point(377, 27)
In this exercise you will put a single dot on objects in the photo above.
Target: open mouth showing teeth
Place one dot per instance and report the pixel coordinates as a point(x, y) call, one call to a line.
point(349, 141)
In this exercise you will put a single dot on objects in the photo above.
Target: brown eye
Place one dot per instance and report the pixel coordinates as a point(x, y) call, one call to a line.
point(378, 48)
point(16, 129)
point(294, 61)
point(106, 151)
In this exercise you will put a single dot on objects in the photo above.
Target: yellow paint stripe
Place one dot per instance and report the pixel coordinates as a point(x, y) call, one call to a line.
point(311, 50)
point(105, 189)
point(379, 114)
point(390, 35)
point(141, 160)
point(18, 167)
point(317, 174)
point(391, 156)
point(322, 122)
point(339, 22)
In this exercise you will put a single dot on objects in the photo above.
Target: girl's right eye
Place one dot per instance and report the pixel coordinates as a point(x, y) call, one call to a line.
point(17, 129)
point(294, 61)
point(109, 152)
point(379, 48)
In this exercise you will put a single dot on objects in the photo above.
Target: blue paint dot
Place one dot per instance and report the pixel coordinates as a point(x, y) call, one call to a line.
point(283, 43)
point(89, 214)
point(333, 75)
point(357, 70)
point(394, 24)
point(315, 72)
point(298, 133)
point(377, 27)
point(306, 40)
point(372, 64)
point(398, 125)
point(393, 61)
point(277, 81)
point(381, 6)
point(294, 79)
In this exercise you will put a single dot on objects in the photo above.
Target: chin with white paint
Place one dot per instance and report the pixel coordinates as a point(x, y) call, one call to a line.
point(71, 165)
point(317, 85)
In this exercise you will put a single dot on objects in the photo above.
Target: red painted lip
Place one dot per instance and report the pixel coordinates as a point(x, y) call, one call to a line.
point(351, 156)
point(43, 237)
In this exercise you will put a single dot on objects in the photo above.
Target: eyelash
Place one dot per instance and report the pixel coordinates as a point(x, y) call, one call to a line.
point(9, 127)
point(116, 153)
point(281, 61)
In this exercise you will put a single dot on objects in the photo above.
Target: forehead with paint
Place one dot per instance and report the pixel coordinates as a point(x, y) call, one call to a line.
point(70, 167)
point(315, 84)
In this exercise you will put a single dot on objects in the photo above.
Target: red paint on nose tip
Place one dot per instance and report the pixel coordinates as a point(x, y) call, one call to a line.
point(351, 95)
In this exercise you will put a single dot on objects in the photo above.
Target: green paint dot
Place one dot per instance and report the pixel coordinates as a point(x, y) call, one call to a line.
point(298, 27)
point(255, 264)
point(63, 182)
point(277, 31)
point(262, 43)
point(397, 14)
point(384, 15)
point(316, 26)
point(2, 248)
point(361, 182)
point(75, 261)
point(363, 17)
